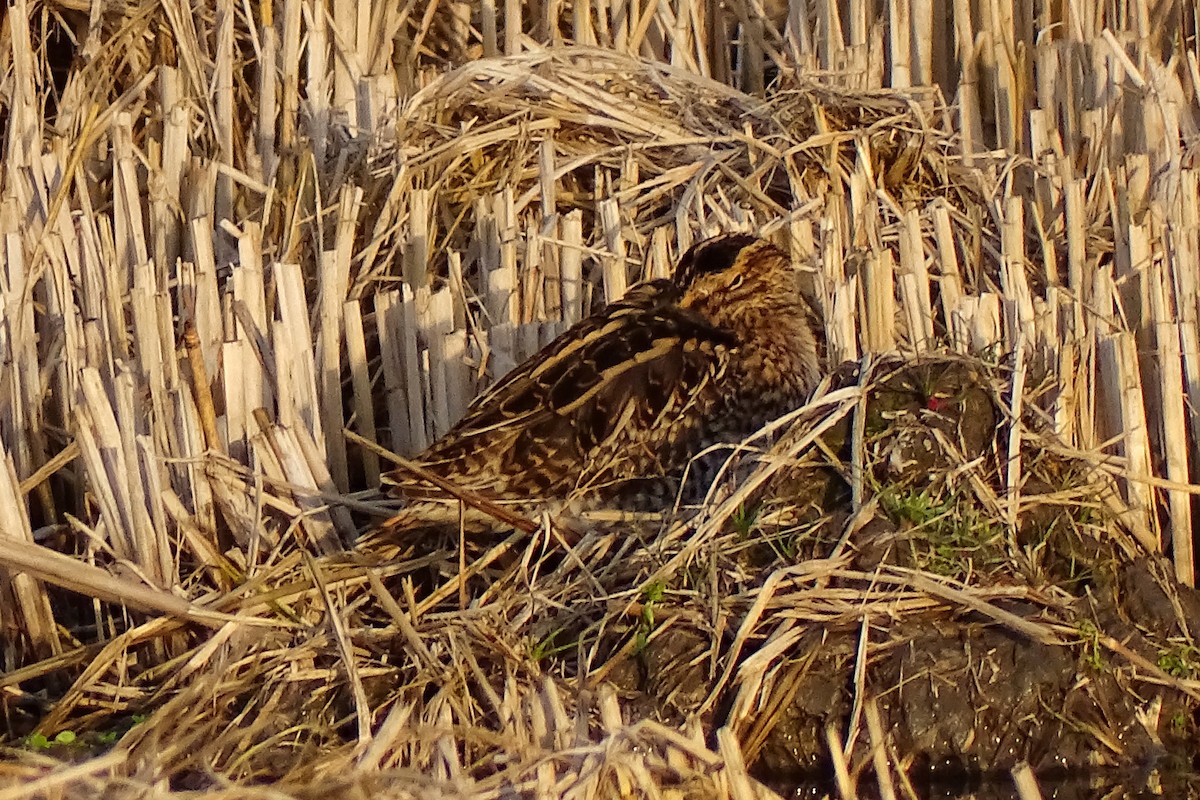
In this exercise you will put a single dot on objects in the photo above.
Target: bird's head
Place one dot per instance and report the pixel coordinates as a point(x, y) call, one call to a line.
point(750, 287)
point(735, 269)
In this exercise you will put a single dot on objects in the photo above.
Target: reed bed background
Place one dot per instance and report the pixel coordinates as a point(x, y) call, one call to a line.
point(230, 235)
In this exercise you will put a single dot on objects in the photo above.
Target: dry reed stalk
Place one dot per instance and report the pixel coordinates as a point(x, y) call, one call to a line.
point(841, 770)
point(914, 284)
point(1012, 471)
point(879, 753)
point(27, 605)
point(1026, 782)
point(282, 457)
point(64, 780)
point(877, 309)
point(1172, 418)
point(1118, 364)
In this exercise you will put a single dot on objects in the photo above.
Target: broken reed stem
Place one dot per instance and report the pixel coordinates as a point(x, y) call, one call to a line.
point(201, 387)
point(60, 460)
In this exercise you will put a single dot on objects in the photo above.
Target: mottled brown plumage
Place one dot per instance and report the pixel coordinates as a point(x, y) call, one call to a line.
point(611, 412)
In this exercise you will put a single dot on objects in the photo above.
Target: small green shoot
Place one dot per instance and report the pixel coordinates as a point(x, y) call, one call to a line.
point(652, 593)
point(39, 741)
point(953, 536)
point(1181, 661)
point(549, 645)
point(1089, 636)
point(745, 520)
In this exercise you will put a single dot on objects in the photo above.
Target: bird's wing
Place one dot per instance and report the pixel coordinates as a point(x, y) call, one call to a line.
point(619, 370)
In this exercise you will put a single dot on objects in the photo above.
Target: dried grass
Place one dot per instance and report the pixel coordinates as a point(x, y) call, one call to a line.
point(209, 269)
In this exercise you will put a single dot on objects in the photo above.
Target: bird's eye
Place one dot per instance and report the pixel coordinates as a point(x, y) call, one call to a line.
point(737, 281)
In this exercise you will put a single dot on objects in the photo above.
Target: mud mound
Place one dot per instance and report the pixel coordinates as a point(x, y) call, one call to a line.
point(885, 574)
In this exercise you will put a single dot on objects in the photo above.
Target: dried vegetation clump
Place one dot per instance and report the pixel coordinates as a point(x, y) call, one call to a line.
point(235, 251)
point(586, 130)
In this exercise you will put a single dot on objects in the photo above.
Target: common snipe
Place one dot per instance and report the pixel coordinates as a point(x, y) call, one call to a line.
point(611, 412)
